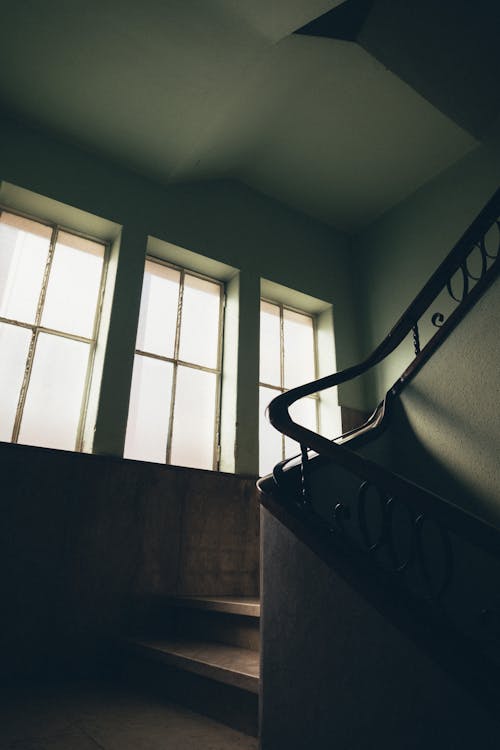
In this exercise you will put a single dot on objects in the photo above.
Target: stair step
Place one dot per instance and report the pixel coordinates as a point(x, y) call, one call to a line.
point(231, 665)
point(237, 605)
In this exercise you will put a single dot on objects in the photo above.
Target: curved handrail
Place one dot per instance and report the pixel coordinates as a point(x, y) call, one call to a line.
point(460, 521)
point(453, 261)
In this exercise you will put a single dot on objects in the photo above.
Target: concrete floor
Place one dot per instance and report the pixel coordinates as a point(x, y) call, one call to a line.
point(93, 715)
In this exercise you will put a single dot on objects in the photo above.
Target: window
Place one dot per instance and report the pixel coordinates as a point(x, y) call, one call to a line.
point(50, 293)
point(287, 359)
point(174, 403)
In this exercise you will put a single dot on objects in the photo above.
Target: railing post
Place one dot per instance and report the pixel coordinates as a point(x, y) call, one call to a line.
point(416, 339)
point(305, 496)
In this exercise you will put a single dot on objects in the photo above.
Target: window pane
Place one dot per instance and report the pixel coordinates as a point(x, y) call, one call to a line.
point(149, 410)
point(200, 322)
point(73, 288)
point(270, 440)
point(304, 413)
point(54, 399)
point(270, 344)
point(158, 316)
point(298, 335)
point(194, 419)
point(24, 249)
point(14, 347)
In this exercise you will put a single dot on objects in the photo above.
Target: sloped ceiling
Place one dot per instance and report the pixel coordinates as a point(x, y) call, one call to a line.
point(446, 50)
point(182, 90)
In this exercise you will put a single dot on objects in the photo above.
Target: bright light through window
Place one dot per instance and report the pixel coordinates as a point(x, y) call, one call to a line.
point(174, 400)
point(287, 359)
point(50, 285)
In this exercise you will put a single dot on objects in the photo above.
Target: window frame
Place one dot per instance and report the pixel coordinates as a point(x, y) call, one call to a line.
point(282, 388)
point(175, 361)
point(36, 328)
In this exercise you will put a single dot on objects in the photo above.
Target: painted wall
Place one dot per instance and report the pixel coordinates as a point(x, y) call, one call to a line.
point(221, 219)
point(444, 432)
point(397, 253)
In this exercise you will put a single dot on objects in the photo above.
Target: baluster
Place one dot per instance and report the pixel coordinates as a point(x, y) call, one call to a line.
point(416, 339)
point(304, 479)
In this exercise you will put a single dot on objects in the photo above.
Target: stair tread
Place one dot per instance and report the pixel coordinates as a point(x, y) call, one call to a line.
point(229, 664)
point(240, 605)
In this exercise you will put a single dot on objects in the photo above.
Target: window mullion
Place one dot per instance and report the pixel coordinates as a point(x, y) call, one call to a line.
point(272, 387)
point(18, 323)
point(48, 266)
point(218, 392)
point(194, 366)
point(282, 349)
point(24, 385)
point(317, 396)
point(64, 335)
point(175, 366)
point(216, 453)
point(282, 368)
point(179, 316)
point(31, 352)
point(171, 415)
point(91, 354)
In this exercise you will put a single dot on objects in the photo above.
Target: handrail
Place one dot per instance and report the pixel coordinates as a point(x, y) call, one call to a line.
point(457, 520)
point(453, 261)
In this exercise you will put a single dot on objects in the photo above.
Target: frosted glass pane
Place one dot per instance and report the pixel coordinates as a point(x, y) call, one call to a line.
point(24, 249)
point(14, 347)
point(270, 357)
point(304, 413)
point(194, 419)
point(149, 410)
point(73, 288)
point(270, 440)
point(298, 335)
point(200, 322)
point(158, 316)
point(55, 392)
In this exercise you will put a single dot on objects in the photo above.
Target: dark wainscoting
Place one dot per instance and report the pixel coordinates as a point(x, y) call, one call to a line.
point(87, 540)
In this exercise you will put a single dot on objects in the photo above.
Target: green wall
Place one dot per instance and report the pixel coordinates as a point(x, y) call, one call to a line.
point(397, 254)
point(221, 219)
point(443, 432)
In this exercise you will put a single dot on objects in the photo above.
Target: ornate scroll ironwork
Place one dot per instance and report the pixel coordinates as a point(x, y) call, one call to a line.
point(416, 339)
point(467, 278)
point(382, 537)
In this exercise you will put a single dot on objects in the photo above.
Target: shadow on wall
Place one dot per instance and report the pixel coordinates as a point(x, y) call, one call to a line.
point(437, 449)
point(444, 430)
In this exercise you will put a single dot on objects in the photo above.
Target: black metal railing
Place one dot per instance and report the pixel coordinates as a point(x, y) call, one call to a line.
point(408, 530)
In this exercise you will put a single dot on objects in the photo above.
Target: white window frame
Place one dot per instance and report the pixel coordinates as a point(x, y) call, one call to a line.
point(176, 361)
point(36, 328)
point(281, 388)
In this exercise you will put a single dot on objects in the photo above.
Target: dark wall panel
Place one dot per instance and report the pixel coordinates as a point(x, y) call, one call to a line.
point(85, 540)
point(337, 674)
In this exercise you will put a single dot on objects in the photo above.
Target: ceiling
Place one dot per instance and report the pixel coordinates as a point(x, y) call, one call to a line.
point(184, 90)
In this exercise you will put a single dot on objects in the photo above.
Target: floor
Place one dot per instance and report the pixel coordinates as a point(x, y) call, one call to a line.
point(92, 715)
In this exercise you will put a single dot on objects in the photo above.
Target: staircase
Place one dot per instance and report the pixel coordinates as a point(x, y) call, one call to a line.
point(380, 568)
point(381, 613)
point(202, 652)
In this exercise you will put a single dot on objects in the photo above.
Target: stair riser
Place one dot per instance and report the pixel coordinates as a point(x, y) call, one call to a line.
point(222, 627)
point(229, 705)
point(235, 630)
